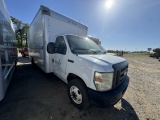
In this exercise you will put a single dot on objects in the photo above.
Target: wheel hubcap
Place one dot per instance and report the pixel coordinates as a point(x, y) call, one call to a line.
point(76, 95)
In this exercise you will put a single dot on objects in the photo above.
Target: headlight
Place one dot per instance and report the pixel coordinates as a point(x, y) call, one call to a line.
point(103, 81)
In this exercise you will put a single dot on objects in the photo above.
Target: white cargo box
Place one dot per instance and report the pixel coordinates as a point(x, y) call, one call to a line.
point(44, 28)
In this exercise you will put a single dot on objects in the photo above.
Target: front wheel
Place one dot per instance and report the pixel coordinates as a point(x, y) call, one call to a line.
point(77, 92)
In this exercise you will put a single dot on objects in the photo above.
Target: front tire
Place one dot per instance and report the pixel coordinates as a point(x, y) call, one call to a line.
point(78, 95)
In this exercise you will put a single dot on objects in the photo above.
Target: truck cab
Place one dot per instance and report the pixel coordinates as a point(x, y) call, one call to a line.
point(91, 75)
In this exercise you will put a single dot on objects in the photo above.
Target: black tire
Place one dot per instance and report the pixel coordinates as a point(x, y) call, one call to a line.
point(82, 90)
point(15, 65)
point(32, 62)
point(23, 55)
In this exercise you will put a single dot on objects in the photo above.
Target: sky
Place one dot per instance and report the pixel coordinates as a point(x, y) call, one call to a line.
point(131, 25)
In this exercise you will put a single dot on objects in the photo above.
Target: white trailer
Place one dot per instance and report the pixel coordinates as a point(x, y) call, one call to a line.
point(60, 45)
point(8, 51)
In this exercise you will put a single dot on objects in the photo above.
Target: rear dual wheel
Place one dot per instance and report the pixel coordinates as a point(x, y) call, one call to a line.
point(32, 62)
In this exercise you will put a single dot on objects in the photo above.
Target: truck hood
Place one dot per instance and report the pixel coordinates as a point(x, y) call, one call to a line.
point(103, 60)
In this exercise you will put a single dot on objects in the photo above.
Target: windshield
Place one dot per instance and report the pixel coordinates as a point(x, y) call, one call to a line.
point(82, 45)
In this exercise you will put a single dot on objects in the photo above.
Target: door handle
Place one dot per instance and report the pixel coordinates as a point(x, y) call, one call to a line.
point(70, 61)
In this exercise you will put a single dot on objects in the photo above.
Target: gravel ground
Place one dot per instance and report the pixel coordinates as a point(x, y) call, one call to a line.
point(143, 92)
point(34, 95)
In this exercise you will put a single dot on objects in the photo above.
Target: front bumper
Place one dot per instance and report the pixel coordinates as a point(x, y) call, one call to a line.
point(111, 97)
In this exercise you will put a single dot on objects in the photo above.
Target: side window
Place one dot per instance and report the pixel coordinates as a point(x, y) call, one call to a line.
point(60, 46)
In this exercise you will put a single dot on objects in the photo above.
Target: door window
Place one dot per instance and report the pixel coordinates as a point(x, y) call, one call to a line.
point(60, 46)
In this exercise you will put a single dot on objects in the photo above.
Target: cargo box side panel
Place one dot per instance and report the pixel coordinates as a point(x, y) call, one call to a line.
point(47, 34)
point(60, 24)
point(36, 36)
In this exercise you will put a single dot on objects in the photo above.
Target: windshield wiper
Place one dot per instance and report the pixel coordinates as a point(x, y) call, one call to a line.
point(80, 49)
point(87, 51)
point(75, 50)
point(95, 51)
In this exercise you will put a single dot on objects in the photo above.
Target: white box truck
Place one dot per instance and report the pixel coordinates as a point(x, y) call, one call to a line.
point(60, 45)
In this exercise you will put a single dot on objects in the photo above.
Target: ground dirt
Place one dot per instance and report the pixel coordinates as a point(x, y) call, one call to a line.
point(34, 95)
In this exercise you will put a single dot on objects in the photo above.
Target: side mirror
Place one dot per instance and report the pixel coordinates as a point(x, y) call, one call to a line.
point(50, 47)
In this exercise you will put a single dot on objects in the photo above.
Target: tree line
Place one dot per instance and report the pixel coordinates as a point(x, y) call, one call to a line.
point(20, 31)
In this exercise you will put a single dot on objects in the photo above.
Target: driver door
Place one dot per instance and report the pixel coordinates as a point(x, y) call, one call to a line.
point(60, 58)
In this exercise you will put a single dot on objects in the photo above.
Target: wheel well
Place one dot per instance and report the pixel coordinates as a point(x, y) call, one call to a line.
point(72, 76)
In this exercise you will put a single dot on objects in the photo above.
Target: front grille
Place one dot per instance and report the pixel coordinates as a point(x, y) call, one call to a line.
point(120, 72)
